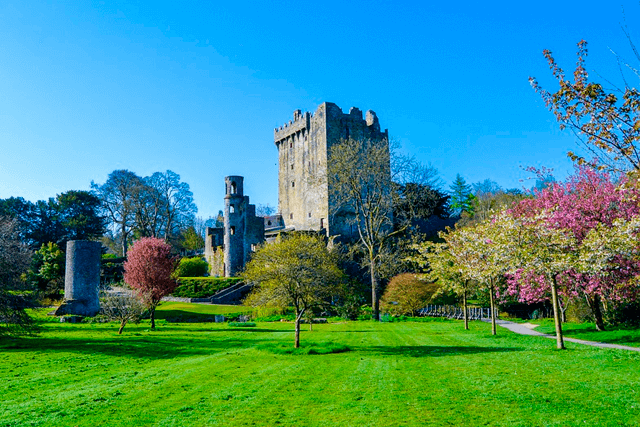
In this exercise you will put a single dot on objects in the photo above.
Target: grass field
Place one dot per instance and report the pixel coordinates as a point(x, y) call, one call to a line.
point(429, 373)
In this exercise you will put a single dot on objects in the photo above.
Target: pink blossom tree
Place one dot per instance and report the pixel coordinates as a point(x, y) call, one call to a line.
point(148, 271)
point(587, 200)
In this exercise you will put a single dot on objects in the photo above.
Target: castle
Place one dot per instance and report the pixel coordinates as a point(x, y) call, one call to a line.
point(304, 197)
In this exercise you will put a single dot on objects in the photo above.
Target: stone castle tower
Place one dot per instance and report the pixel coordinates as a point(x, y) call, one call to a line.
point(242, 230)
point(304, 197)
point(304, 145)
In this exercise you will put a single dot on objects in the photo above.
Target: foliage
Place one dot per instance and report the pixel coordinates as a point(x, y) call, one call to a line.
point(408, 293)
point(73, 215)
point(191, 240)
point(46, 272)
point(192, 267)
point(419, 201)
point(297, 270)
point(14, 259)
point(78, 214)
point(124, 306)
point(606, 123)
point(202, 287)
point(149, 271)
point(349, 297)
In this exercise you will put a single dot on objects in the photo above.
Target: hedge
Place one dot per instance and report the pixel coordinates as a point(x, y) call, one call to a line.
point(202, 287)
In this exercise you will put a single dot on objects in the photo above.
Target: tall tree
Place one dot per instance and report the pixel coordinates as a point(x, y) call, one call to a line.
point(359, 178)
point(178, 209)
point(118, 196)
point(295, 271)
point(79, 216)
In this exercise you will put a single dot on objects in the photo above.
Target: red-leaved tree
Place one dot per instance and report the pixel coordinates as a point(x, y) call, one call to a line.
point(148, 271)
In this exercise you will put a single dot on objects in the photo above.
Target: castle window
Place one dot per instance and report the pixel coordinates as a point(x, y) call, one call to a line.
point(291, 145)
point(293, 183)
point(232, 209)
point(290, 216)
point(233, 230)
point(321, 222)
point(233, 187)
point(291, 167)
point(309, 214)
point(268, 222)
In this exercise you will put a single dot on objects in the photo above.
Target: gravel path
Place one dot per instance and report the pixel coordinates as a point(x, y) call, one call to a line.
point(527, 329)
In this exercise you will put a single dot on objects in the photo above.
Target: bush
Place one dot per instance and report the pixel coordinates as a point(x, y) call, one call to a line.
point(192, 267)
point(202, 287)
point(407, 293)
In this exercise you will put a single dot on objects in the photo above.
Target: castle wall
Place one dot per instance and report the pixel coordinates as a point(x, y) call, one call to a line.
point(304, 146)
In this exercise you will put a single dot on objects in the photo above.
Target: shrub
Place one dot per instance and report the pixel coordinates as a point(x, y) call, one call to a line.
point(192, 267)
point(202, 287)
point(406, 294)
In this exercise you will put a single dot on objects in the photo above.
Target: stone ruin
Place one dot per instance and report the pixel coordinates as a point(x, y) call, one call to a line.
point(82, 279)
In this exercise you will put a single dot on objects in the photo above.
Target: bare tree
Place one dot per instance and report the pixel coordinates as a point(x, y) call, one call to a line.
point(362, 176)
point(124, 307)
point(118, 196)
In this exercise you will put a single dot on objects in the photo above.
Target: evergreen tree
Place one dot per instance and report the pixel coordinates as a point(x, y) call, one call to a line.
point(461, 196)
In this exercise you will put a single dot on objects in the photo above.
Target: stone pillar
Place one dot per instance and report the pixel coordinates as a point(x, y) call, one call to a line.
point(82, 279)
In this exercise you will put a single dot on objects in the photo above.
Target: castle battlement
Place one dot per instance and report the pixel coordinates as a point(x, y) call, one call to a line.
point(300, 122)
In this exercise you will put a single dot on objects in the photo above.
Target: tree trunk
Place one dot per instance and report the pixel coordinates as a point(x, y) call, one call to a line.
point(375, 303)
point(123, 232)
point(310, 324)
point(124, 322)
point(464, 307)
point(493, 309)
point(556, 313)
point(153, 318)
point(594, 305)
point(296, 342)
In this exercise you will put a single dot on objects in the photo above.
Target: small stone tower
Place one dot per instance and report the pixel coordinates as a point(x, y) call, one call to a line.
point(243, 231)
point(82, 278)
point(233, 225)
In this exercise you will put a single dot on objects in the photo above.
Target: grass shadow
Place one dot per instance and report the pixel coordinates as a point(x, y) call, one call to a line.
point(435, 350)
point(134, 346)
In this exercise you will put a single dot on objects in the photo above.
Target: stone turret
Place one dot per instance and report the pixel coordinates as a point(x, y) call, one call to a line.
point(234, 215)
point(82, 278)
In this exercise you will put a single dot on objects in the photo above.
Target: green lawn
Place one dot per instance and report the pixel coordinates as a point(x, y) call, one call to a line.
point(587, 331)
point(429, 373)
point(187, 312)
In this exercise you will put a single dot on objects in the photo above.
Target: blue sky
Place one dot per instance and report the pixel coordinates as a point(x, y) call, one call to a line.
point(197, 88)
